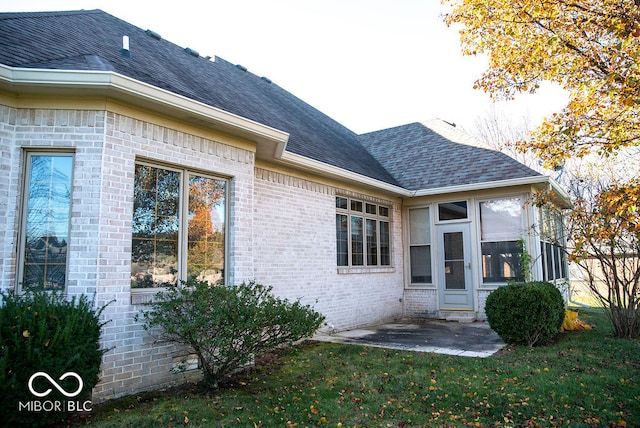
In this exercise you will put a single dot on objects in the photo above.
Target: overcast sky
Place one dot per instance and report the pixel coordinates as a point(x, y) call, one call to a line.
point(369, 64)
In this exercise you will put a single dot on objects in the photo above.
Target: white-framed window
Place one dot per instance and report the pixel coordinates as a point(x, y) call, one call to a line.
point(501, 224)
point(552, 245)
point(179, 226)
point(420, 246)
point(45, 221)
point(362, 233)
point(452, 211)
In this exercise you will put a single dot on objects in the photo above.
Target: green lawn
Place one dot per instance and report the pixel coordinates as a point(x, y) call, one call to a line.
point(581, 379)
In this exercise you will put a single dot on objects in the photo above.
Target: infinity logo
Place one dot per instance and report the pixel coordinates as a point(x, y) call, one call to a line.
point(54, 383)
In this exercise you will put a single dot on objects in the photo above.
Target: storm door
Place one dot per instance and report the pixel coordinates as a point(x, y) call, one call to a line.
point(454, 259)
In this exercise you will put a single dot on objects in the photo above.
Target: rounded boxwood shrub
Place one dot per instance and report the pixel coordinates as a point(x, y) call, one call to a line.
point(44, 332)
point(527, 313)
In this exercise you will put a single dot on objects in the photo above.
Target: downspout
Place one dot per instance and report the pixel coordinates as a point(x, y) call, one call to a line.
point(582, 305)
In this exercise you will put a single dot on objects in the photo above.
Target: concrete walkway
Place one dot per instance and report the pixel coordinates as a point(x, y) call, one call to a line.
point(442, 337)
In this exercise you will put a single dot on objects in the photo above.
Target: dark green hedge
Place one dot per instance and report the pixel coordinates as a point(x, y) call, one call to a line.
point(45, 332)
point(527, 313)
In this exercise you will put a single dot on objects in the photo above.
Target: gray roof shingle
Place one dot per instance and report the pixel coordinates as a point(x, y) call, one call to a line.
point(91, 40)
point(435, 154)
point(415, 156)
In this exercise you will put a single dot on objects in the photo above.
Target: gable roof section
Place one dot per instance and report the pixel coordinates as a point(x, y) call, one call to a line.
point(414, 159)
point(92, 41)
point(435, 154)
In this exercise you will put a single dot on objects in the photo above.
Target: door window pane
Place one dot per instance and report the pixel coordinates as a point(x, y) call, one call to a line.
point(454, 261)
point(47, 217)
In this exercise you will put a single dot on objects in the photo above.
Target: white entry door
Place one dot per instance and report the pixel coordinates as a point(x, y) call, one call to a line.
point(454, 273)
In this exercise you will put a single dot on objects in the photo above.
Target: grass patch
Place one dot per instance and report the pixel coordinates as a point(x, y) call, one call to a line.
point(581, 379)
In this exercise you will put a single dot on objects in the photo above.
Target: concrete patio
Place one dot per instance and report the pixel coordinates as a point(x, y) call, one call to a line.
point(425, 335)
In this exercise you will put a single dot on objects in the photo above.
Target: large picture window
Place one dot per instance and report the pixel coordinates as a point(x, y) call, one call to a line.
point(501, 228)
point(362, 233)
point(46, 221)
point(552, 246)
point(179, 223)
point(420, 246)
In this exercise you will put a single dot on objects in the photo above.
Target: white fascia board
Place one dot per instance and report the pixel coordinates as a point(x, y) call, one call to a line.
point(326, 169)
point(113, 81)
point(542, 179)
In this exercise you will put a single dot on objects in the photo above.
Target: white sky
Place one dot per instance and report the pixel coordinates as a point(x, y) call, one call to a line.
point(369, 64)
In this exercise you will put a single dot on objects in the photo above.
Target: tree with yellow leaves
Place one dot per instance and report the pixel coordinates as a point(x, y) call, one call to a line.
point(591, 48)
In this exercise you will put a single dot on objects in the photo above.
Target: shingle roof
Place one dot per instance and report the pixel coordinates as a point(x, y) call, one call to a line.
point(415, 156)
point(91, 40)
point(435, 154)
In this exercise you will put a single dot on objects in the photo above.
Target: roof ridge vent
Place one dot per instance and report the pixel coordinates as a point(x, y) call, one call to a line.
point(266, 79)
point(192, 52)
point(153, 34)
point(241, 67)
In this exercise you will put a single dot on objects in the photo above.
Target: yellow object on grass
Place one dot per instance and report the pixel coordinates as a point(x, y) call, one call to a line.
point(572, 322)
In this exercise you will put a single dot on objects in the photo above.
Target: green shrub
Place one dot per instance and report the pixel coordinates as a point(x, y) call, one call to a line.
point(42, 332)
point(527, 313)
point(227, 326)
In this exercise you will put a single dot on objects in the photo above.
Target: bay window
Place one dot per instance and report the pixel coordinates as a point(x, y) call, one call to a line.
point(179, 223)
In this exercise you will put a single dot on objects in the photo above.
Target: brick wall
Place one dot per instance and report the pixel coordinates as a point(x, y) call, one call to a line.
point(281, 231)
point(136, 362)
point(9, 179)
point(106, 146)
point(295, 249)
point(421, 302)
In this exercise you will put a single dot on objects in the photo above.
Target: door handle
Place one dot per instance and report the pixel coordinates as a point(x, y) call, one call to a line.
point(469, 265)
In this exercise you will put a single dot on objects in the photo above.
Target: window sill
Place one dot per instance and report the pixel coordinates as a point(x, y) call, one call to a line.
point(421, 287)
point(144, 295)
point(345, 270)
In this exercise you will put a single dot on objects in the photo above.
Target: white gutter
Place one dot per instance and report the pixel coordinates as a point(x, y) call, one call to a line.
point(536, 180)
point(311, 164)
point(107, 80)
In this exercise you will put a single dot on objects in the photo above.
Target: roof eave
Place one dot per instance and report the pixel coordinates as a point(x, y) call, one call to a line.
point(340, 174)
point(540, 182)
point(134, 91)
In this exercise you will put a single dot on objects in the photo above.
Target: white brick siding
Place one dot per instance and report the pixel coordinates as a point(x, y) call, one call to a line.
point(421, 302)
point(281, 231)
point(295, 252)
point(106, 146)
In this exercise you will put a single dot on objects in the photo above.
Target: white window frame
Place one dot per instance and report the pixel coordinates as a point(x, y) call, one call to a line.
point(379, 218)
point(431, 211)
point(515, 237)
point(22, 244)
point(551, 224)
